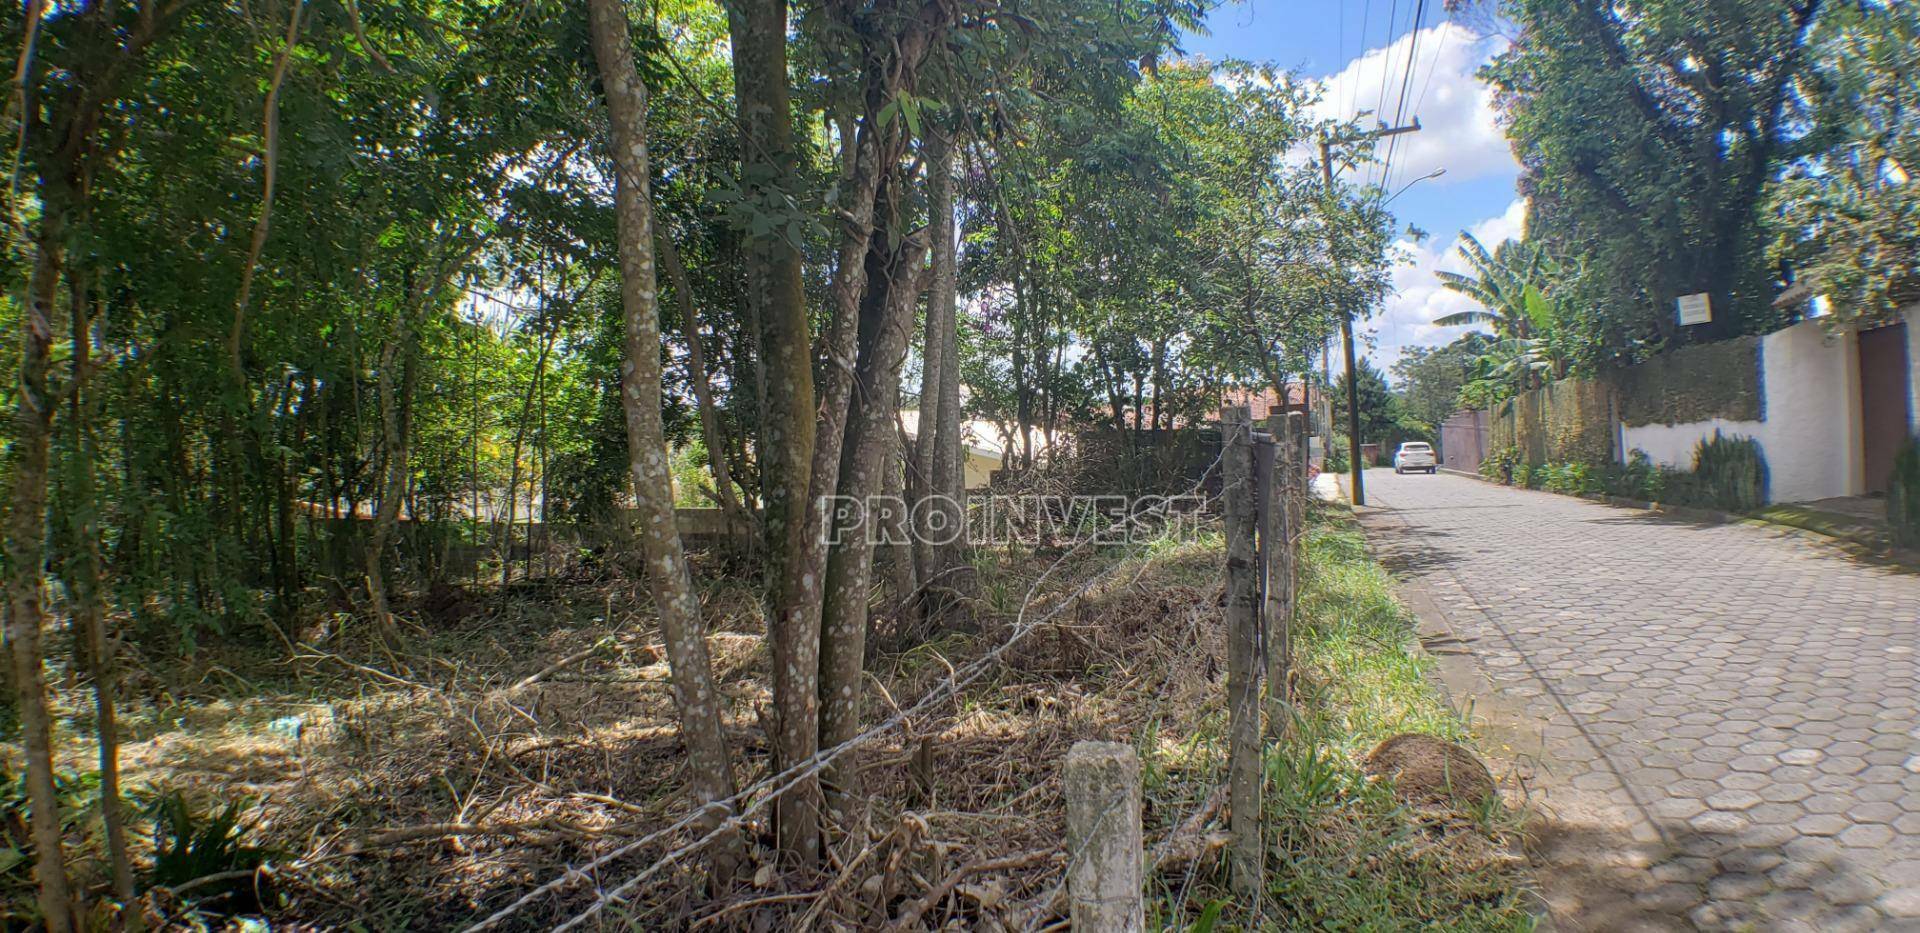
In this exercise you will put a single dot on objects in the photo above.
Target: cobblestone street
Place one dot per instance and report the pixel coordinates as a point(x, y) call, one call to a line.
point(1717, 723)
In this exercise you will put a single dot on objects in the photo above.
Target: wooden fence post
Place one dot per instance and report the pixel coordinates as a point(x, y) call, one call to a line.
point(1276, 550)
point(1300, 486)
point(1104, 839)
point(1246, 856)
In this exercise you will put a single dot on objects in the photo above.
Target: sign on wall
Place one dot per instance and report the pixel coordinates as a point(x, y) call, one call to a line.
point(1694, 309)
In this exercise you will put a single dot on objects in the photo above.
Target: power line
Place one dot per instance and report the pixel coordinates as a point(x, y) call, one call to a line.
point(1386, 70)
point(1353, 90)
point(1406, 86)
point(1446, 29)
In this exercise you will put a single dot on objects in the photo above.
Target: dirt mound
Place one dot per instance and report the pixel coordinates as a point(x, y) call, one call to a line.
point(1424, 769)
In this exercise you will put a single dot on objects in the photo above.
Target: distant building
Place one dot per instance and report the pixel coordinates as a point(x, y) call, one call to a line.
point(1265, 401)
point(986, 447)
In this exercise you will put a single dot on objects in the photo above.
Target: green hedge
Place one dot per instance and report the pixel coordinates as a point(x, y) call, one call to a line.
point(1903, 496)
point(1729, 475)
point(1697, 383)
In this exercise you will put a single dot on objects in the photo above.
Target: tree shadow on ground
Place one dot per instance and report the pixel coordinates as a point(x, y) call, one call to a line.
point(1408, 551)
point(1599, 877)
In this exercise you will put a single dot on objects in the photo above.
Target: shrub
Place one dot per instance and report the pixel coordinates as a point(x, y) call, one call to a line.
point(1500, 464)
point(193, 846)
point(1729, 474)
point(1336, 461)
point(1638, 478)
point(1903, 496)
point(1579, 479)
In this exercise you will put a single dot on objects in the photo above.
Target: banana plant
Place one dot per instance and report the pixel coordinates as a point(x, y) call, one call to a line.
point(1524, 321)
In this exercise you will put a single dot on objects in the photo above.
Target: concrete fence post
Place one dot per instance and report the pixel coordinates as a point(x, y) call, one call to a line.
point(1244, 668)
point(1104, 841)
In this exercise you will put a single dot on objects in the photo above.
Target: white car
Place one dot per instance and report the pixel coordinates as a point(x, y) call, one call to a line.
point(1414, 456)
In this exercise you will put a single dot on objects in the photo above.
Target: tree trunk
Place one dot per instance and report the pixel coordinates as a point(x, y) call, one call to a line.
point(710, 429)
point(695, 694)
point(940, 442)
point(890, 306)
point(902, 563)
point(26, 559)
point(758, 29)
point(89, 606)
point(392, 477)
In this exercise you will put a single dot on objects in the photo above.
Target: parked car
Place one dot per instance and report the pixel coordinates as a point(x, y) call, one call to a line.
point(1414, 456)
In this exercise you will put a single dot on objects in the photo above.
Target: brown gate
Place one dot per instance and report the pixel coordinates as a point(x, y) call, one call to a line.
point(1884, 414)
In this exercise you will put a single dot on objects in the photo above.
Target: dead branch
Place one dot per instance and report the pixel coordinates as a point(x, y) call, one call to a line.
point(914, 910)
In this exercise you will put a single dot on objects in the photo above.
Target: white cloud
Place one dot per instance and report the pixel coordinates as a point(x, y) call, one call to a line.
point(1454, 107)
point(1406, 317)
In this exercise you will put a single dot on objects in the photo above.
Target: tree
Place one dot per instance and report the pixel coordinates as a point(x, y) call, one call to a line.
point(1664, 197)
point(1431, 378)
point(1847, 219)
point(696, 695)
point(1530, 332)
point(1382, 420)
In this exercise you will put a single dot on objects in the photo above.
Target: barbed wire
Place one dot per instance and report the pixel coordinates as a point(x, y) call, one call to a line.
point(811, 766)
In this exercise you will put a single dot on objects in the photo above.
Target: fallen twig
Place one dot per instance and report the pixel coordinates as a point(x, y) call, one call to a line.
point(911, 914)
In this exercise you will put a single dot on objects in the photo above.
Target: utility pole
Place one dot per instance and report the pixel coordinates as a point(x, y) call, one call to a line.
point(1346, 316)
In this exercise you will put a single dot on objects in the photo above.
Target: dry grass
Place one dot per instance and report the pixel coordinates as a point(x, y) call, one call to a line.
point(423, 791)
point(420, 791)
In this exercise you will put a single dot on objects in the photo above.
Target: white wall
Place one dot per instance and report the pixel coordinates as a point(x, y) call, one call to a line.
point(1809, 384)
point(1913, 367)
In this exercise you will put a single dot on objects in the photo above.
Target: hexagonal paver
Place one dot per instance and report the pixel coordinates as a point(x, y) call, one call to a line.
point(1734, 800)
point(1748, 699)
point(1904, 903)
point(1738, 886)
point(1867, 836)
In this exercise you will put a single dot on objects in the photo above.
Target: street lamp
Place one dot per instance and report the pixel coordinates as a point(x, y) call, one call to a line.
point(1436, 173)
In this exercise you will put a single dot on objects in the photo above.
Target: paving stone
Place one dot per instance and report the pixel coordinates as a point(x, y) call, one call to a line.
point(1760, 694)
point(1867, 836)
point(1821, 824)
point(1734, 800)
point(1903, 903)
point(1741, 886)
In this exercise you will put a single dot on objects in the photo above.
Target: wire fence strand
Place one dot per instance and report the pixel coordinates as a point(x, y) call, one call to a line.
point(793, 776)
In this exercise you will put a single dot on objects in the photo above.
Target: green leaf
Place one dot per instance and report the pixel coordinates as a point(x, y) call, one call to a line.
point(1539, 310)
point(1208, 917)
point(910, 108)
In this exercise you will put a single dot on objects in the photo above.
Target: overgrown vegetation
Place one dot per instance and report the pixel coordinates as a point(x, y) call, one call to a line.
point(1903, 496)
point(1729, 475)
point(1751, 147)
point(342, 328)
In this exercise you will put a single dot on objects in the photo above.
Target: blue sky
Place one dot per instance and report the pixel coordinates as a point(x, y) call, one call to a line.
point(1361, 70)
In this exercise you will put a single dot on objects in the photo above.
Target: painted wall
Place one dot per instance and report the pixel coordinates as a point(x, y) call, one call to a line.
point(1463, 440)
point(1809, 430)
point(1913, 366)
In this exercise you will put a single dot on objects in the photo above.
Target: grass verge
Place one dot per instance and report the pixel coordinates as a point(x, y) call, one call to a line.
point(1347, 855)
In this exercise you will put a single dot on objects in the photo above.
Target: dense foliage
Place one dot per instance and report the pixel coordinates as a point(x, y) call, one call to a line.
point(321, 308)
point(1748, 148)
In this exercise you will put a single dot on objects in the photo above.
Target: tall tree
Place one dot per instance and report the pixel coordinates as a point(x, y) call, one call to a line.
point(696, 695)
point(1663, 198)
point(1847, 219)
point(770, 188)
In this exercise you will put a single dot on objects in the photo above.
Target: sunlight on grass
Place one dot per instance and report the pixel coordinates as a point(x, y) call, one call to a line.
point(1348, 855)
